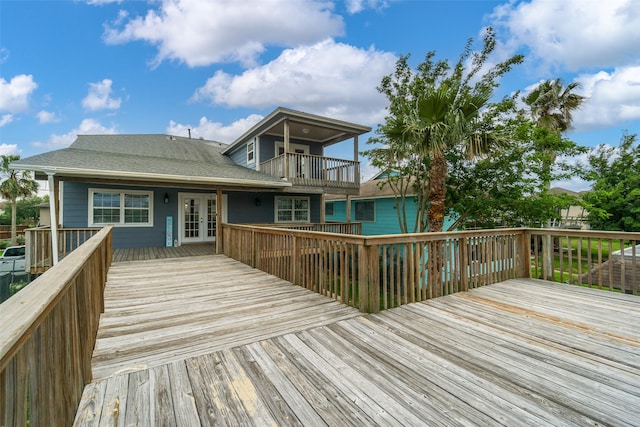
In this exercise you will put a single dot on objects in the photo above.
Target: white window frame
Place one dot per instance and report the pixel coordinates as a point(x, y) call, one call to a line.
point(122, 193)
point(293, 199)
point(355, 210)
point(251, 153)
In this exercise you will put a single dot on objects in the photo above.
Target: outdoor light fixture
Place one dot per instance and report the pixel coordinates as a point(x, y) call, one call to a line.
point(257, 201)
point(305, 130)
point(166, 198)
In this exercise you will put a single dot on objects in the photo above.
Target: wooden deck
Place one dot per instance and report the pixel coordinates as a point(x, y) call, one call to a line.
point(209, 341)
point(144, 254)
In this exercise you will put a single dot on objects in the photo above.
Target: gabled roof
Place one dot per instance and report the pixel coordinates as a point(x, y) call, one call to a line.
point(161, 158)
point(302, 126)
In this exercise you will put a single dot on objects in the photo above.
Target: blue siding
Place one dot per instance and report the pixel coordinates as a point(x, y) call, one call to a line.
point(239, 156)
point(76, 199)
point(386, 219)
point(241, 208)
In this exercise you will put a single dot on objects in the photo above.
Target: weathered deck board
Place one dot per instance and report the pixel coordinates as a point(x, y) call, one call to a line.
point(521, 352)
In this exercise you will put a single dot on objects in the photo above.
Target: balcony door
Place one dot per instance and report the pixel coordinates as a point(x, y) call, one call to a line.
point(198, 217)
point(298, 168)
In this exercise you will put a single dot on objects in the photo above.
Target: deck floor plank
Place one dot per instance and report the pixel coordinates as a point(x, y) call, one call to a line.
point(203, 340)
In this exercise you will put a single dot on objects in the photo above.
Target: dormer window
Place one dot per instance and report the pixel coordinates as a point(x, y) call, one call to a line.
point(251, 152)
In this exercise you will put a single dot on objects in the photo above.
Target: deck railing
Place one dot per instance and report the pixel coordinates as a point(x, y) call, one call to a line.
point(602, 259)
point(38, 255)
point(374, 273)
point(47, 337)
point(324, 227)
point(314, 171)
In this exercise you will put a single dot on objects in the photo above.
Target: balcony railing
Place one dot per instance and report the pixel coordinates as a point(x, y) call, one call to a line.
point(314, 171)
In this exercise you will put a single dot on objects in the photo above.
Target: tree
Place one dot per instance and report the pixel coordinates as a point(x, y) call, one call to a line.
point(433, 111)
point(614, 199)
point(17, 184)
point(27, 211)
point(551, 105)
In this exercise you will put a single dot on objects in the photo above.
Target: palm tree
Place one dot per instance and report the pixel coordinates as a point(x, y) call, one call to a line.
point(17, 184)
point(439, 110)
point(551, 105)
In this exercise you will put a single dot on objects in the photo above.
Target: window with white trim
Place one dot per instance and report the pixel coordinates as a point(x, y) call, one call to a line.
point(365, 210)
point(120, 208)
point(292, 209)
point(251, 151)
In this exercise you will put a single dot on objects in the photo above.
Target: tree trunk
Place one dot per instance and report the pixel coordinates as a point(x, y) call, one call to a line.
point(13, 223)
point(437, 193)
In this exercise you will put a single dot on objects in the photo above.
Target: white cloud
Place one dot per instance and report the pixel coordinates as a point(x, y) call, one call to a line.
point(14, 95)
point(87, 127)
point(47, 117)
point(99, 97)
point(205, 32)
point(214, 131)
point(4, 54)
point(9, 150)
point(357, 6)
point(572, 34)
point(614, 98)
point(6, 119)
point(328, 78)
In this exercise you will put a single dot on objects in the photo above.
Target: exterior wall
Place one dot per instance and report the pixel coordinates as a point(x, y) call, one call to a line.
point(386, 217)
point(239, 156)
point(241, 208)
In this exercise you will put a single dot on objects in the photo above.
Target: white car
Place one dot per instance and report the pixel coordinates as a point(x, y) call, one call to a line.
point(12, 260)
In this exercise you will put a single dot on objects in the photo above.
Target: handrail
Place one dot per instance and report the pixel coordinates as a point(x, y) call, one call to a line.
point(48, 334)
point(38, 256)
point(374, 273)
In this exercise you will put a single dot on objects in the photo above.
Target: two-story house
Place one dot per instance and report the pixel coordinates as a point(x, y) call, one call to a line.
point(161, 190)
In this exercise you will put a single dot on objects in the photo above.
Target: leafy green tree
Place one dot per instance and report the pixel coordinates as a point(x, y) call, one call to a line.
point(510, 187)
point(27, 211)
point(614, 199)
point(17, 184)
point(432, 112)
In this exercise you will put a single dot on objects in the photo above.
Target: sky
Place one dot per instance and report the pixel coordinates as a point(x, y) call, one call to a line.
point(70, 67)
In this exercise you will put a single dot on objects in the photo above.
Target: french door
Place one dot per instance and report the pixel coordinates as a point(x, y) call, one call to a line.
point(198, 217)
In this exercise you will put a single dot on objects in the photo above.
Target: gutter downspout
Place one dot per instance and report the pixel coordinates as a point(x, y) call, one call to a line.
point(54, 219)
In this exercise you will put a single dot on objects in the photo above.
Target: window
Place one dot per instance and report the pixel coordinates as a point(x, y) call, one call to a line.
point(292, 209)
point(251, 151)
point(120, 208)
point(365, 210)
point(328, 208)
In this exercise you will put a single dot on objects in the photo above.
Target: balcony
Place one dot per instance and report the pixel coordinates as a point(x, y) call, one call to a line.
point(314, 171)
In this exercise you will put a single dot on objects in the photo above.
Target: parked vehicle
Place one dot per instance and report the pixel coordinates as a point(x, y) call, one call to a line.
point(12, 260)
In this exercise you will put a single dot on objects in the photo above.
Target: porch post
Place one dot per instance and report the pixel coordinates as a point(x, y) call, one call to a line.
point(356, 169)
point(53, 214)
point(286, 149)
point(347, 207)
point(219, 247)
point(322, 211)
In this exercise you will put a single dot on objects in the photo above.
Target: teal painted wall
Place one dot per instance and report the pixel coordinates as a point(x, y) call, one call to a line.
point(386, 218)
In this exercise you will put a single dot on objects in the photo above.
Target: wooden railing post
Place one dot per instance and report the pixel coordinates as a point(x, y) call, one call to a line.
point(368, 278)
point(523, 255)
point(464, 265)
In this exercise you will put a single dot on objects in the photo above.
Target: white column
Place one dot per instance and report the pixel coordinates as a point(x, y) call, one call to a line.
point(54, 219)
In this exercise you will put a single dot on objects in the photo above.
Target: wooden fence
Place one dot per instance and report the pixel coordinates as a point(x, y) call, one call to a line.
point(374, 273)
point(38, 247)
point(47, 338)
point(5, 231)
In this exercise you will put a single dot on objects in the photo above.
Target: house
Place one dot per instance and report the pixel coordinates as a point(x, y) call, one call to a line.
point(575, 216)
point(169, 190)
point(375, 208)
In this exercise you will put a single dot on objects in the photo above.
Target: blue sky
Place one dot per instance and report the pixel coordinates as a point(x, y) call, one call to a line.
point(218, 66)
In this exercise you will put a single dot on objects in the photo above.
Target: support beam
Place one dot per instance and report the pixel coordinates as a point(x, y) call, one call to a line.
point(356, 159)
point(286, 149)
point(322, 207)
point(347, 207)
point(53, 202)
point(219, 247)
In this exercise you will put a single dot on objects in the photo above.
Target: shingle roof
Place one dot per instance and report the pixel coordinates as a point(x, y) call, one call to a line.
point(160, 157)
